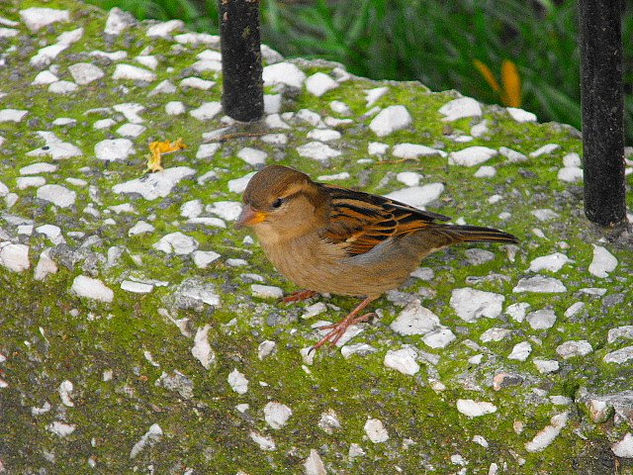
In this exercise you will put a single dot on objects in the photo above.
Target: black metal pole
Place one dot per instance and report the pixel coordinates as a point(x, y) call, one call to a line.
point(243, 94)
point(602, 111)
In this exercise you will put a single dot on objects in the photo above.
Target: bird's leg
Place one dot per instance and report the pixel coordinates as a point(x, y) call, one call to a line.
point(298, 295)
point(338, 329)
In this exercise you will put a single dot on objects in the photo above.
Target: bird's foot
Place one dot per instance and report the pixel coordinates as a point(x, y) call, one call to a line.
point(339, 329)
point(298, 296)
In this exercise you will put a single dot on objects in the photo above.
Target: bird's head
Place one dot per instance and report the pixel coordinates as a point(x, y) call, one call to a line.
point(280, 203)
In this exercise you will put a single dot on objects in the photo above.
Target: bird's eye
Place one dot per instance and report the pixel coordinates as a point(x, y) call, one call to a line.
point(277, 203)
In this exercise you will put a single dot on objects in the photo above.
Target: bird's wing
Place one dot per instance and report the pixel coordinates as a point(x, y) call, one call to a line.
point(360, 221)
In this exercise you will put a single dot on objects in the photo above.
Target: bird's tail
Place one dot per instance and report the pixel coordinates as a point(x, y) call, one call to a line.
point(477, 234)
point(437, 236)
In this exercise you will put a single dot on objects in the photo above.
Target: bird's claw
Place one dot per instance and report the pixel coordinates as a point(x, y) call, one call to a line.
point(338, 330)
point(298, 296)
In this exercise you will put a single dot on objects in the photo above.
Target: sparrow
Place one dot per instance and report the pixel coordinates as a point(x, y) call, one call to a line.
point(330, 239)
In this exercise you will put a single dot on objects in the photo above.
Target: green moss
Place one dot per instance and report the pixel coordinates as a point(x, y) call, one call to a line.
point(49, 335)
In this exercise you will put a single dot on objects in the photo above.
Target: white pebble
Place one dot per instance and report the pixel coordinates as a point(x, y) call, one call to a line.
point(439, 338)
point(36, 17)
point(402, 360)
point(324, 135)
point(552, 262)
point(572, 160)
point(265, 443)
point(266, 291)
point(413, 151)
point(572, 348)
point(376, 431)
point(191, 209)
point(133, 73)
point(460, 108)
point(521, 115)
point(313, 465)
point(480, 129)
point(118, 21)
point(207, 150)
point(409, 178)
point(197, 83)
point(417, 196)
point(155, 185)
point(202, 259)
point(546, 366)
point(547, 435)
point(485, 172)
point(272, 103)
point(283, 73)
point(12, 115)
point(539, 284)
point(521, 351)
point(415, 320)
point(624, 448)
point(320, 83)
point(512, 155)
point(621, 356)
point(541, 319)
point(545, 214)
point(95, 289)
point(471, 304)
point(176, 243)
point(131, 130)
point(317, 151)
point(62, 87)
point(377, 148)
point(373, 95)
point(603, 262)
point(252, 156)
point(61, 429)
point(545, 150)
point(471, 156)
point(114, 149)
point(30, 182)
point(174, 108)
point(43, 78)
point(391, 119)
point(472, 408)
point(52, 232)
point(136, 287)
point(276, 414)
point(45, 266)
point(164, 29)
point(624, 332)
point(65, 390)
point(140, 228)
point(571, 174)
point(340, 108)
point(85, 73)
point(238, 382)
point(201, 349)
point(103, 124)
point(228, 210)
point(57, 194)
point(153, 435)
point(314, 310)
point(265, 348)
point(206, 111)
point(495, 334)
point(37, 168)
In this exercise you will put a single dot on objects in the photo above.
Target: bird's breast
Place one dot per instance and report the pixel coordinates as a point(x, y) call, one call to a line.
point(318, 265)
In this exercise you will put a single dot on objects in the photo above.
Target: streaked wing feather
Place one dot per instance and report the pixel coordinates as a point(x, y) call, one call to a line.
point(360, 221)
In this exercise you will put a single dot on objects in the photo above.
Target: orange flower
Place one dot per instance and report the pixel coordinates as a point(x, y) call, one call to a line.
point(510, 93)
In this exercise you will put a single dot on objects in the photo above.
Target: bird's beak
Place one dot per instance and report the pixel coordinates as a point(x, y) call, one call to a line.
point(249, 217)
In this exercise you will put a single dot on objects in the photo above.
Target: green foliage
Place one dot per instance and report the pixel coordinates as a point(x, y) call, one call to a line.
point(431, 41)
